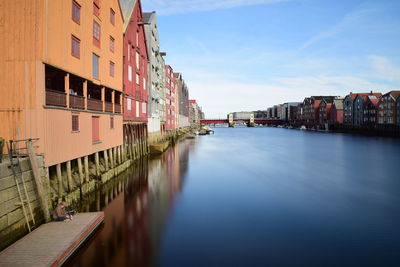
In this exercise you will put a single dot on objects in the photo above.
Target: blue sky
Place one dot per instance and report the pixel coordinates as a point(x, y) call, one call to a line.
point(251, 54)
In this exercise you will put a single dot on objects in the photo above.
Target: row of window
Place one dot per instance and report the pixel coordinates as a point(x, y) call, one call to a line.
point(129, 106)
point(76, 11)
point(95, 126)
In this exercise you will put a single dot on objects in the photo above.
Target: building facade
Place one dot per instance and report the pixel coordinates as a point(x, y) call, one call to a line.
point(388, 108)
point(135, 66)
point(170, 87)
point(337, 111)
point(63, 82)
point(183, 96)
point(156, 82)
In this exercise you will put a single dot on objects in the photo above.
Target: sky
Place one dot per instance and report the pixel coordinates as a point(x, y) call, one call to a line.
point(246, 55)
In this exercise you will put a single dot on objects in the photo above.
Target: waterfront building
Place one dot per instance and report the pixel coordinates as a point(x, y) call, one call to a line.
point(135, 66)
point(242, 115)
point(388, 108)
point(170, 87)
point(353, 108)
point(183, 95)
point(269, 113)
point(156, 72)
point(337, 111)
point(324, 111)
point(62, 76)
point(299, 119)
point(275, 112)
point(260, 114)
point(370, 104)
point(311, 106)
point(288, 111)
point(195, 113)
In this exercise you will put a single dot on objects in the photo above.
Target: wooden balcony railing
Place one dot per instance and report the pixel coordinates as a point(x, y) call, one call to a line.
point(56, 98)
point(76, 101)
point(117, 108)
point(109, 107)
point(94, 104)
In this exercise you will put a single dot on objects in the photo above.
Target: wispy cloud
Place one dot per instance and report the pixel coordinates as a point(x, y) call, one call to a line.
point(168, 7)
point(383, 68)
point(349, 21)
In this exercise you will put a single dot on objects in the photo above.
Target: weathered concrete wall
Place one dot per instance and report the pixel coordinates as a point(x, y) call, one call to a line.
point(12, 220)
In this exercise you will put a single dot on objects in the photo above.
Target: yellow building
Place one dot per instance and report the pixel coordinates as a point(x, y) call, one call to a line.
point(61, 78)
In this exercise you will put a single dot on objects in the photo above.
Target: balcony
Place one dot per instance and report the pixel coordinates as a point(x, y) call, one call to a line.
point(76, 101)
point(56, 98)
point(117, 108)
point(109, 107)
point(94, 104)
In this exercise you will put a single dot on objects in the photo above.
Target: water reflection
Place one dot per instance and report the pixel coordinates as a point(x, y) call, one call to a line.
point(136, 206)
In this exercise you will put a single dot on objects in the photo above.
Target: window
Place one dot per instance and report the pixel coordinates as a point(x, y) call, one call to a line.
point(112, 42)
point(75, 123)
point(129, 52)
point(130, 73)
point(137, 108)
point(137, 39)
point(129, 104)
point(137, 60)
point(96, 7)
point(111, 122)
point(76, 12)
point(95, 66)
point(95, 129)
point(144, 83)
point(96, 34)
point(144, 107)
point(137, 79)
point(75, 46)
point(112, 16)
point(112, 66)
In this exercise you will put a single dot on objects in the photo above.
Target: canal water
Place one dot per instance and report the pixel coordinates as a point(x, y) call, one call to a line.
point(252, 197)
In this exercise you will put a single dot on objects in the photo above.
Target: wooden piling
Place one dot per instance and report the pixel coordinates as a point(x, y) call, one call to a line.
point(86, 162)
point(97, 162)
point(110, 153)
point(106, 159)
point(59, 179)
point(80, 170)
point(69, 176)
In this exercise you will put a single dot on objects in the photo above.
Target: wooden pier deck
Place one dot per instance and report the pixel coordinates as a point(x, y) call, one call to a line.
point(53, 243)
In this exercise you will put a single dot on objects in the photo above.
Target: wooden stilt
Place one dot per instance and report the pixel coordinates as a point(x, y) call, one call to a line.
point(86, 162)
point(110, 153)
point(106, 159)
point(97, 162)
point(69, 176)
point(80, 170)
point(59, 179)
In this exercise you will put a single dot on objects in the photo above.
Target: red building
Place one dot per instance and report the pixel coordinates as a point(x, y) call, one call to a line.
point(336, 112)
point(135, 66)
point(170, 86)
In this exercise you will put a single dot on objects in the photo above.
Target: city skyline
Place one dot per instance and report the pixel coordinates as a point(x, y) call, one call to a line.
point(278, 51)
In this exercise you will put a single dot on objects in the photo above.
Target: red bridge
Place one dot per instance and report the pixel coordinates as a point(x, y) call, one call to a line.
point(257, 121)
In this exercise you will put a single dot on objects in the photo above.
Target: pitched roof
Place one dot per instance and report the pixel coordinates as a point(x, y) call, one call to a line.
point(395, 94)
point(338, 103)
point(127, 7)
point(147, 16)
point(354, 95)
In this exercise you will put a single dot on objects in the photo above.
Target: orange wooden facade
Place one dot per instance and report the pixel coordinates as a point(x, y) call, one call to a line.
point(48, 76)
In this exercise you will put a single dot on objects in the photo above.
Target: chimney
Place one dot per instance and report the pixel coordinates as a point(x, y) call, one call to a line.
point(371, 92)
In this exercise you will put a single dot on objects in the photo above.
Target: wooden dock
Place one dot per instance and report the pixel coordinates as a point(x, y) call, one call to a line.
point(53, 243)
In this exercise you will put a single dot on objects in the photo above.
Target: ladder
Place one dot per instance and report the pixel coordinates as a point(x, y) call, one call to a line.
point(20, 182)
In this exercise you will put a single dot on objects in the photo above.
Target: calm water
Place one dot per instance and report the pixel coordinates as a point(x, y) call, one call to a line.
point(252, 197)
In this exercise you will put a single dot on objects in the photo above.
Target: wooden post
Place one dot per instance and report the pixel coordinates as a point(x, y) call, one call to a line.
point(36, 174)
point(103, 98)
point(110, 153)
point(106, 159)
point(85, 94)
point(115, 156)
point(120, 154)
point(113, 100)
point(66, 88)
point(80, 171)
point(97, 161)
point(86, 162)
point(59, 179)
point(69, 176)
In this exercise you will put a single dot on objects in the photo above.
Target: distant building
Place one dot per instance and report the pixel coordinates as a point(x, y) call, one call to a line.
point(370, 105)
point(337, 111)
point(353, 110)
point(183, 95)
point(388, 108)
point(170, 87)
point(156, 72)
point(311, 108)
point(242, 115)
point(261, 114)
point(324, 111)
point(195, 112)
point(288, 111)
